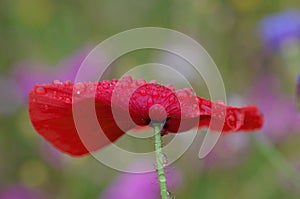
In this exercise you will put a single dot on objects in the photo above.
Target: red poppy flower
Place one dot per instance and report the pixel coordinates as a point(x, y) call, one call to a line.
point(121, 105)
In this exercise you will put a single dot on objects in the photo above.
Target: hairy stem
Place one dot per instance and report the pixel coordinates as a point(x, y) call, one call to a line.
point(159, 161)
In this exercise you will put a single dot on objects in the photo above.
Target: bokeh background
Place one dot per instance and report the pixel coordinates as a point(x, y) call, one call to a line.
point(255, 44)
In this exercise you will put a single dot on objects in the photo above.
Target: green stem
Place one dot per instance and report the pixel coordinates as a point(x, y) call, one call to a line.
point(159, 161)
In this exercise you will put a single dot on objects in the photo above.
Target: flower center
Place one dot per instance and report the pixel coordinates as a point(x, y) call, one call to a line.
point(157, 113)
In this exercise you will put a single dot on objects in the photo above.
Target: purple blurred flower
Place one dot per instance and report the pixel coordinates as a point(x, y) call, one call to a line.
point(228, 152)
point(298, 93)
point(19, 192)
point(145, 185)
point(27, 74)
point(280, 112)
point(278, 28)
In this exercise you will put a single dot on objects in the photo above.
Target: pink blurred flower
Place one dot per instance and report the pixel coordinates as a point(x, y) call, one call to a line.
point(19, 192)
point(27, 74)
point(280, 111)
point(228, 152)
point(145, 185)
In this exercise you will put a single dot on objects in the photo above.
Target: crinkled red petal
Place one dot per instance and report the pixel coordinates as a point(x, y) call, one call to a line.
point(121, 106)
point(247, 118)
point(50, 109)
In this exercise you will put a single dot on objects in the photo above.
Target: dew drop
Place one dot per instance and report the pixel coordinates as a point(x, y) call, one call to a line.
point(164, 159)
point(127, 78)
point(79, 87)
point(105, 85)
point(205, 108)
point(150, 102)
point(162, 179)
point(143, 92)
point(169, 194)
point(134, 97)
point(155, 94)
point(114, 81)
point(68, 82)
point(153, 82)
point(45, 107)
point(189, 90)
point(57, 82)
point(172, 99)
point(222, 102)
point(140, 82)
point(40, 90)
point(68, 100)
point(182, 94)
point(171, 87)
point(92, 88)
point(235, 120)
point(124, 85)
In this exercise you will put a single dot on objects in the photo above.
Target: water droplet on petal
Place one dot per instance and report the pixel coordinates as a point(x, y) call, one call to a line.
point(105, 85)
point(189, 90)
point(155, 94)
point(140, 82)
point(205, 109)
point(222, 102)
point(134, 97)
point(150, 102)
point(79, 87)
point(124, 85)
point(40, 90)
point(45, 107)
point(127, 78)
point(172, 99)
point(235, 120)
point(92, 88)
point(143, 92)
point(68, 82)
point(181, 94)
point(171, 87)
point(68, 100)
point(153, 82)
point(57, 82)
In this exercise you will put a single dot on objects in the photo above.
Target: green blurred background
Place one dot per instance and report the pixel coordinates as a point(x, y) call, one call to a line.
point(50, 31)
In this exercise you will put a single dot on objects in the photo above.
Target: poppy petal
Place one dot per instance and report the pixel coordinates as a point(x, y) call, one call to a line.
point(50, 109)
point(63, 112)
point(247, 118)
